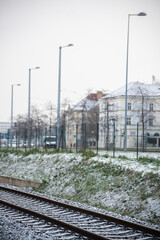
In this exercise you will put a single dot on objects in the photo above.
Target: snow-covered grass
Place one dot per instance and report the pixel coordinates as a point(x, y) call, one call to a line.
point(121, 184)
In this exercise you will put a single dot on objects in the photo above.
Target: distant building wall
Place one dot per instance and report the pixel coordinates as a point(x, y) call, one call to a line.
point(145, 104)
point(4, 127)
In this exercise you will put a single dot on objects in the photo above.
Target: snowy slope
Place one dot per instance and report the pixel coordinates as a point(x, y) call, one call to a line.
point(122, 184)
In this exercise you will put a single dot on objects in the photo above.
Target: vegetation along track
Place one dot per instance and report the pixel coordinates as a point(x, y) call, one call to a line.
point(86, 223)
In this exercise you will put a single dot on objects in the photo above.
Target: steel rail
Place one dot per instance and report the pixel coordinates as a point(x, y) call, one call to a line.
point(109, 218)
point(73, 228)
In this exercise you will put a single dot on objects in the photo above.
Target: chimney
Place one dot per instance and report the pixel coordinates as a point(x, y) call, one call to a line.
point(153, 79)
point(99, 95)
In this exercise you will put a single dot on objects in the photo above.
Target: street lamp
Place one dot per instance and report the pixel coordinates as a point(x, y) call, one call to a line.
point(29, 103)
point(59, 93)
point(125, 131)
point(13, 85)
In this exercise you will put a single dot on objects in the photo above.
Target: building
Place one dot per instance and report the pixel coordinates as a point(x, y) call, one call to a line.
point(4, 128)
point(81, 122)
point(4, 133)
point(143, 107)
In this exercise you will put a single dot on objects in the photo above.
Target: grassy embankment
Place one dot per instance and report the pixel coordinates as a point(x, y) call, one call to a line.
point(82, 177)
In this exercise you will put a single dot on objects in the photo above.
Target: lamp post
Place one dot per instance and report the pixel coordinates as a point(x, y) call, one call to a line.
point(12, 109)
point(29, 103)
point(59, 94)
point(126, 89)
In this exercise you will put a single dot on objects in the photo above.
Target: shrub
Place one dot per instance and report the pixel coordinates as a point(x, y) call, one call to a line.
point(105, 155)
point(122, 157)
point(146, 160)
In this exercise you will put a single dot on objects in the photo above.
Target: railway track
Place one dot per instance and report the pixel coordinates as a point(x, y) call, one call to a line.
point(64, 221)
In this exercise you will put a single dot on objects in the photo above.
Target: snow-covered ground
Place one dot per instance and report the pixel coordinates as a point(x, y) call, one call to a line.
point(121, 184)
point(132, 162)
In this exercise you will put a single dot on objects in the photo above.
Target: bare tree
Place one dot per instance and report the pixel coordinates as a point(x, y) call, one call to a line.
point(82, 120)
point(51, 116)
point(38, 124)
point(92, 121)
point(108, 117)
point(144, 112)
point(21, 128)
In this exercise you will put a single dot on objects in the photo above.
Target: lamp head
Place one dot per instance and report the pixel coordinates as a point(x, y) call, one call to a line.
point(70, 45)
point(142, 14)
point(15, 85)
point(34, 68)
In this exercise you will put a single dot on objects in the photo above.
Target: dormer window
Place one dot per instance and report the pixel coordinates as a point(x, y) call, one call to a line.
point(150, 122)
point(151, 107)
point(128, 121)
point(129, 106)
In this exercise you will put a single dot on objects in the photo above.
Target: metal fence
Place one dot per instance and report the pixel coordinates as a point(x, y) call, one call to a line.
point(81, 137)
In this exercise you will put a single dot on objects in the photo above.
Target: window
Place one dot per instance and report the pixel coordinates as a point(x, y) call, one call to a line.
point(111, 107)
point(151, 107)
point(129, 106)
point(156, 134)
point(101, 134)
point(113, 120)
point(132, 133)
point(150, 121)
point(128, 121)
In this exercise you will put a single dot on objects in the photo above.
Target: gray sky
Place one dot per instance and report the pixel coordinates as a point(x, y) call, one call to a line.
point(32, 30)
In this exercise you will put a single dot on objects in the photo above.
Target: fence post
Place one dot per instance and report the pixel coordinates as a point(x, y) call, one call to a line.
point(97, 136)
point(76, 137)
point(36, 138)
point(56, 138)
point(114, 136)
point(16, 140)
point(62, 135)
point(85, 136)
point(44, 142)
point(137, 141)
point(0, 140)
point(8, 138)
point(17, 132)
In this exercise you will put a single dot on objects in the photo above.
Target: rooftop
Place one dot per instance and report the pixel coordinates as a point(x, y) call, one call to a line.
point(137, 89)
point(88, 102)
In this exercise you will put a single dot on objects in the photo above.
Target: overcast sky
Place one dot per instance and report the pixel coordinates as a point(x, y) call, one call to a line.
point(31, 32)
